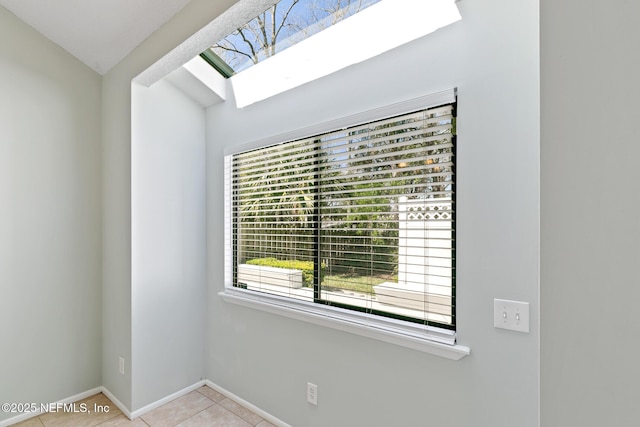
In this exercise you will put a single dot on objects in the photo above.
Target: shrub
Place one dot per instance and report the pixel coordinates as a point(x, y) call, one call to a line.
point(305, 266)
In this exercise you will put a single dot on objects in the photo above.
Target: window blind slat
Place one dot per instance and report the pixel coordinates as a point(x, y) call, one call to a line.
point(360, 218)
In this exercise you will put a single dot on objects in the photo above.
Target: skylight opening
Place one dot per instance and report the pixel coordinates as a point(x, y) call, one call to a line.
point(320, 44)
point(283, 25)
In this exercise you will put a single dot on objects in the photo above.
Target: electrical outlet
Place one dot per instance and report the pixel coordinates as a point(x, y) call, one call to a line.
point(121, 365)
point(513, 315)
point(312, 394)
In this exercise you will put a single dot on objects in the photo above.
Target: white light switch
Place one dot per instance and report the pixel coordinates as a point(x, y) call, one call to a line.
point(512, 315)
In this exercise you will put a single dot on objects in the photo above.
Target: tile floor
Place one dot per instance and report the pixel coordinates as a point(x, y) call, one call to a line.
point(201, 407)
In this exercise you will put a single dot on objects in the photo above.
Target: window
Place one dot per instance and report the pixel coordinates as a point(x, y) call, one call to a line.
point(358, 221)
point(280, 26)
point(298, 41)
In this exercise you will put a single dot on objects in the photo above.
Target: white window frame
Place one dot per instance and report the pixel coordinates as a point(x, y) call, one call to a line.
point(428, 339)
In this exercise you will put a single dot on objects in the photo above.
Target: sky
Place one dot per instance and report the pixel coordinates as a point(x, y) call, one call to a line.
point(295, 20)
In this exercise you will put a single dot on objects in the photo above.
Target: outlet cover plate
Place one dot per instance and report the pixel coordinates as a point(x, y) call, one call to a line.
point(312, 393)
point(512, 315)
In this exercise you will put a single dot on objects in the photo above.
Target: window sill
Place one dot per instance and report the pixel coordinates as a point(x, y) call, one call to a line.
point(430, 340)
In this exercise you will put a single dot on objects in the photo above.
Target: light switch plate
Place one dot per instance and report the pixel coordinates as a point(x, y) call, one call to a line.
point(513, 315)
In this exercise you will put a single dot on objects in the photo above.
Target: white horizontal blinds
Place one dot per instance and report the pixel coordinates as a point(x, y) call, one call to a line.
point(360, 218)
point(386, 235)
point(274, 206)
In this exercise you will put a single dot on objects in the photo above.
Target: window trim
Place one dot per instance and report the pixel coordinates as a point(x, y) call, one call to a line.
point(436, 341)
point(428, 339)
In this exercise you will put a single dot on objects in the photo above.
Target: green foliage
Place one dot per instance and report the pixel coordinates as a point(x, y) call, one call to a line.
point(305, 266)
point(352, 188)
point(355, 282)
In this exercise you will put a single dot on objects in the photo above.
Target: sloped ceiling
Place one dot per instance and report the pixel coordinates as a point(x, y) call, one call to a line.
point(100, 33)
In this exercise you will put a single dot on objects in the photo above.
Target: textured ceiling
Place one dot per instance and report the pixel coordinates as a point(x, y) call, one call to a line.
point(100, 33)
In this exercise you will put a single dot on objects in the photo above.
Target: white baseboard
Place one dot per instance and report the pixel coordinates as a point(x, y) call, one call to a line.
point(265, 415)
point(70, 399)
point(138, 413)
point(158, 403)
point(116, 402)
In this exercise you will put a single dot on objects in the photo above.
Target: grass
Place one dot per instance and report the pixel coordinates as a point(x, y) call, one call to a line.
point(348, 281)
point(354, 282)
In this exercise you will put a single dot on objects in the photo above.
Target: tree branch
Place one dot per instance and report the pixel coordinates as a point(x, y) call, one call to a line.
point(262, 21)
point(229, 49)
point(273, 30)
point(254, 56)
point(284, 19)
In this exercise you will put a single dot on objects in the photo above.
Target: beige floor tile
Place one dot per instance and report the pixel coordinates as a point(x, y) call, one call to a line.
point(87, 412)
point(212, 394)
point(241, 411)
point(178, 410)
point(123, 421)
point(31, 422)
point(215, 416)
point(198, 408)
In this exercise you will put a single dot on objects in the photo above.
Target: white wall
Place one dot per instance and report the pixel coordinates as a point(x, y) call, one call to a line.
point(590, 182)
point(493, 60)
point(168, 242)
point(50, 216)
point(491, 56)
point(50, 212)
point(116, 163)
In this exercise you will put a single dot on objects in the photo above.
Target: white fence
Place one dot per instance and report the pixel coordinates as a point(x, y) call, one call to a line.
point(424, 257)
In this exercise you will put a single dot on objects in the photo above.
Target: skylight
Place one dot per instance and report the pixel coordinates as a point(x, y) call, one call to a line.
point(279, 27)
point(314, 38)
